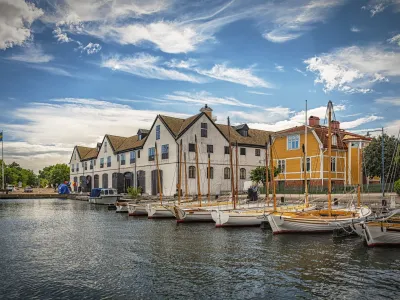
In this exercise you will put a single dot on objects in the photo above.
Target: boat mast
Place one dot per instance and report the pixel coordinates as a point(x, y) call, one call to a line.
point(158, 174)
point(209, 179)
point(266, 174)
point(237, 173)
point(305, 160)
point(180, 174)
point(272, 172)
point(198, 171)
point(330, 157)
point(186, 179)
point(359, 175)
point(231, 164)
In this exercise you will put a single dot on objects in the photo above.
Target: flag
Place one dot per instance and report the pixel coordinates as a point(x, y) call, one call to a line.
point(1, 136)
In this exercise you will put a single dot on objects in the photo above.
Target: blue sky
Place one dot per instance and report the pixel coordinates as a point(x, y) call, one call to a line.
point(72, 71)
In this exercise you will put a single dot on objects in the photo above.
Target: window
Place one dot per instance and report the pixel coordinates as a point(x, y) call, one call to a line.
point(152, 153)
point(334, 140)
point(139, 137)
point(354, 145)
point(105, 147)
point(109, 161)
point(91, 165)
point(122, 159)
point(110, 192)
point(227, 173)
point(132, 157)
point(164, 151)
point(242, 151)
point(226, 150)
point(138, 154)
point(75, 155)
point(94, 162)
point(101, 162)
point(282, 165)
point(73, 168)
point(258, 152)
point(293, 142)
point(211, 172)
point(308, 164)
point(192, 172)
point(242, 173)
point(85, 165)
point(333, 164)
point(210, 148)
point(157, 132)
point(203, 129)
point(192, 148)
point(77, 167)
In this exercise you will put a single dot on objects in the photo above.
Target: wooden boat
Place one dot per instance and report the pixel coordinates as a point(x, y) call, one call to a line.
point(137, 209)
point(157, 211)
point(326, 220)
point(383, 231)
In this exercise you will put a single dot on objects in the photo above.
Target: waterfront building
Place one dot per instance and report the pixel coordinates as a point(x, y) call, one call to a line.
point(121, 162)
point(346, 158)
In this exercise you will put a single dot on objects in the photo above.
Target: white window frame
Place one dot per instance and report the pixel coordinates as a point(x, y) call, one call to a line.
point(333, 163)
point(334, 139)
point(279, 163)
point(308, 164)
point(292, 139)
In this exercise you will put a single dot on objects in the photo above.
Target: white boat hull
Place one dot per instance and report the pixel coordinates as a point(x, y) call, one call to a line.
point(137, 210)
point(121, 208)
point(191, 215)
point(282, 224)
point(229, 219)
point(158, 212)
point(104, 200)
point(380, 236)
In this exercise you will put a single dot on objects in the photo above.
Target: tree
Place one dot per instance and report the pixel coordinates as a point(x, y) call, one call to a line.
point(373, 158)
point(14, 173)
point(258, 174)
point(55, 174)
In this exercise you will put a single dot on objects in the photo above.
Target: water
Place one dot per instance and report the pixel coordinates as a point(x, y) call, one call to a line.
point(69, 249)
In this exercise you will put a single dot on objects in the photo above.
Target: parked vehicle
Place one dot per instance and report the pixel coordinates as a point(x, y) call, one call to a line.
point(10, 188)
point(28, 189)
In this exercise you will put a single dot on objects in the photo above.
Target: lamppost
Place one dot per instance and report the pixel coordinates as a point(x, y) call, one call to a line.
point(383, 159)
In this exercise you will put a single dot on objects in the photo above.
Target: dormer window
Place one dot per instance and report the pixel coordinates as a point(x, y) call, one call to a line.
point(105, 147)
point(139, 137)
point(243, 130)
point(334, 140)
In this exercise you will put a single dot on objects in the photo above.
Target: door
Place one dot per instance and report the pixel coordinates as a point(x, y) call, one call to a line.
point(154, 182)
point(128, 181)
point(105, 181)
point(75, 184)
point(96, 181)
point(88, 183)
point(141, 180)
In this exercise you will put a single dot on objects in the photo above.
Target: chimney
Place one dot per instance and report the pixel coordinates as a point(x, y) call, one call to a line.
point(313, 121)
point(335, 125)
point(207, 110)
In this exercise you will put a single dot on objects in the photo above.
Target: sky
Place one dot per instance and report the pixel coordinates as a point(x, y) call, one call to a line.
point(72, 71)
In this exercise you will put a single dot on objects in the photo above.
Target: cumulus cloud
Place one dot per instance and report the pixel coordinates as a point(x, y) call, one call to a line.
point(355, 69)
point(90, 48)
point(42, 136)
point(358, 122)
point(378, 6)
point(395, 40)
point(61, 36)
point(355, 29)
point(204, 97)
point(32, 53)
point(16, 17)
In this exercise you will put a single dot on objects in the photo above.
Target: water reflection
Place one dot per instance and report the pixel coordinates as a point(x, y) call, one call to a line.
point(69, 249)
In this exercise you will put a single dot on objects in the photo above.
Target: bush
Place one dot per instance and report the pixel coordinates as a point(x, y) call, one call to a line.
point(397, 187)
point(134, 192)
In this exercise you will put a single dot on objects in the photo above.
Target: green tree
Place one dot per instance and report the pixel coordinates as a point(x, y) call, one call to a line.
point(14, 174)
point(373, 157)
point(258, 174)
point(55, 174)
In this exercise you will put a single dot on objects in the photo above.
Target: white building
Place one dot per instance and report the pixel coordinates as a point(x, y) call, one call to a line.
point(116, 160)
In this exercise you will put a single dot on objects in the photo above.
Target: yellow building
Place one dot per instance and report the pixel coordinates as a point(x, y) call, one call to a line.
point(345, 162)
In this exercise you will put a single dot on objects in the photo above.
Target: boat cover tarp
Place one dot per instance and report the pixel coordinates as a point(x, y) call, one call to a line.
point(63, 189)
point(95, 193)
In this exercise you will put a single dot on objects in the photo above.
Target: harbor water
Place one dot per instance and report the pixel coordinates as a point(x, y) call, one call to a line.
point(66, 249)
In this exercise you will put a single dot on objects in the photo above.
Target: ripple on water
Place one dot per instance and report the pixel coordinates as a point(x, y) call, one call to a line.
point(72, 250)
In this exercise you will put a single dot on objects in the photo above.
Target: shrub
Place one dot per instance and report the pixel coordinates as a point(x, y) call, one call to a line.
point(134, 192)
point(397, 187)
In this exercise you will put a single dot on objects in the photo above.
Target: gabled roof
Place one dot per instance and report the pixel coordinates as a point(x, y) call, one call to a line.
point(255, 137)
point(86, 153)
point(241, 126)
point(174, 124)
point(130, 143)
point(115, 141)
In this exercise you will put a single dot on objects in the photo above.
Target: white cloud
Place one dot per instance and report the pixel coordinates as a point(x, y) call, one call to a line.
point(355, 69)
point(279, 68)
point(300, 71)
point(259, 93)
point(32, 53)
point(389, 100)
point(42, 136)
point(235, 75)
point(52, 70)
point(147, 66)
point(355, 29)
point(204, 97)
point(61, 36)
point(358, 122)
point(182, 64)
point(395, 39)
point(16, 17)
point(90, 48)
point(378, 6)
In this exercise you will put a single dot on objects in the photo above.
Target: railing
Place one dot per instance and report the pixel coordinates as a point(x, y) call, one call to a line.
point(312, 189)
